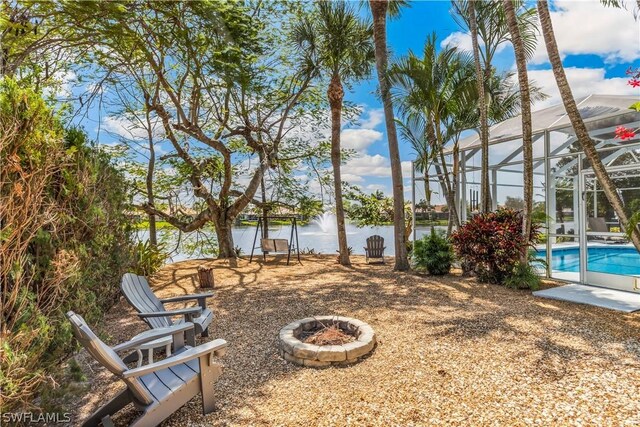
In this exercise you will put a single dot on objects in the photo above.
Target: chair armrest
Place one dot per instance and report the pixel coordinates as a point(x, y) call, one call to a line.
point(169, 313)
point(187, 297)
point(215, 346)
point(153, 335)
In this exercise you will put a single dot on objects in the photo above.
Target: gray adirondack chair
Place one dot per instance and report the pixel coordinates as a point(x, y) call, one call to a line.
point(158, 389)
point(375, 248)
point(151, 309)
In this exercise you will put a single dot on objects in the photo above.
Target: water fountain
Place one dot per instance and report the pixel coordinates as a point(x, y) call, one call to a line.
point(327, 223)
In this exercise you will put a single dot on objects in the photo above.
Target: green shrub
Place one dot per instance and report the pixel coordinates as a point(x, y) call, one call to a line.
point(65, 239)
point(491, 243)
point(523, 276)
point(433, 253)
point(149, 258)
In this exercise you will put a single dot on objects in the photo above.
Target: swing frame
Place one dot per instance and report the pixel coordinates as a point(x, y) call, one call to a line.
point(294, 232)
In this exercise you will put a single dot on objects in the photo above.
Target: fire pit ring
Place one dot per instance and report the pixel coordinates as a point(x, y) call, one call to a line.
point(294, 350)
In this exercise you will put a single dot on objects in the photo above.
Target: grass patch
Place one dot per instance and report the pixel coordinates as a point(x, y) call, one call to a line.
point(160, 225)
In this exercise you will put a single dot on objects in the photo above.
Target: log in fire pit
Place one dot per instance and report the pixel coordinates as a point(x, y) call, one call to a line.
point(323, 341)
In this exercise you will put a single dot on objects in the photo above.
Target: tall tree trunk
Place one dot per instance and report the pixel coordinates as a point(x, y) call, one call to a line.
point(485, 194)
point(588, 146)
point(454, 190)
point(427, 191)
point(335, 93)
point(265, 208)
point(525, 101)
point(224, 225)
point(434, 138)
point(153, 234)
point(454, 218)
point(379, 11)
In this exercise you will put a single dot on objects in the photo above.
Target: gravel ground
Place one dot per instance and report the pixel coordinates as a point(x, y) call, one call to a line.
point(450, 351)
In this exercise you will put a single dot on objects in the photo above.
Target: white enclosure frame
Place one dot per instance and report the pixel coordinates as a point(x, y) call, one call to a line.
point(560, 170)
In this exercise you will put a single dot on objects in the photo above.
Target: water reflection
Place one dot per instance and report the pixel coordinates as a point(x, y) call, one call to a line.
point(317, 235)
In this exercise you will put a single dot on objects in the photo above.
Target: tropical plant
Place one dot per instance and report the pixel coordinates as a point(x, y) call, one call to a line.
point(488, 27)
point(379, 10)
point(582, 134)
point(372, 210)
point(523, 276)
point(338, 45)
point(491, 243)
point(375, 209)
point(485, 202)
point(433, 253)
point(308, 208)
point(428, 89)
point(149, 257)
point(634, 222)
point(412, 132)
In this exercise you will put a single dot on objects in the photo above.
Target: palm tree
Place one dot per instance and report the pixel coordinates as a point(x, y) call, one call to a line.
point(426, 89)
point(527, 140)
point(412, 129)
point(487, 22)
point(485, 202)
point(379, 10)
point(588, 146)
point(338, 45)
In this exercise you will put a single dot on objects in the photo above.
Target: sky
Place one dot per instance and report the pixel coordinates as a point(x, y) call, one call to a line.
point(597, 44)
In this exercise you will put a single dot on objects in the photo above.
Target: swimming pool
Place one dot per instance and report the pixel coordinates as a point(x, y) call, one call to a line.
point(624, 260)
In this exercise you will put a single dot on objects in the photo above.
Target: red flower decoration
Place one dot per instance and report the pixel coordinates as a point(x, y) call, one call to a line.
point(634, 82)
point(624, 133)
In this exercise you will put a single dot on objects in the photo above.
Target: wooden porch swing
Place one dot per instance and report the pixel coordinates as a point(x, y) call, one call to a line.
point(276, 246)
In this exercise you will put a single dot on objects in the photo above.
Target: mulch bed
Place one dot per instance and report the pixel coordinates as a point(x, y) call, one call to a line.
point(450, 351)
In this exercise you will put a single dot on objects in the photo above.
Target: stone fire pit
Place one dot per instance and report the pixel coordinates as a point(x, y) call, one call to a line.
point(294, 350)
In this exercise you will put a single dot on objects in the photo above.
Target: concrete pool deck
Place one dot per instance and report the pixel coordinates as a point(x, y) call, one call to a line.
point(592, 295)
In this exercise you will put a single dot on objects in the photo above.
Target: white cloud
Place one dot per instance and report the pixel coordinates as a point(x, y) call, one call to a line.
point(127, 129)
point(351, 178)
point(359, 139)
point(376, 116)
point(463, 42)
point(458, 39)
point(587, 27)
point(374, 166)
point(377, 187)
point(583, 81)
point(368, 165)
point(363, 167)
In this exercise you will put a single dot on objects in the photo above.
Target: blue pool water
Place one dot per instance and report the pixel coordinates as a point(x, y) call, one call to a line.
point(623, 260)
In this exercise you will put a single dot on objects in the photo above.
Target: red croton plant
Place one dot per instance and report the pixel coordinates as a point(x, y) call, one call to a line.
point(491, 243)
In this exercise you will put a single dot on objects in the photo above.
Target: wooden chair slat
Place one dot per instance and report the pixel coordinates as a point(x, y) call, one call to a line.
point(375, 247)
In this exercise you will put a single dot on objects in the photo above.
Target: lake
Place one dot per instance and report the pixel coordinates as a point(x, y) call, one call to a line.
point(319, 235)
